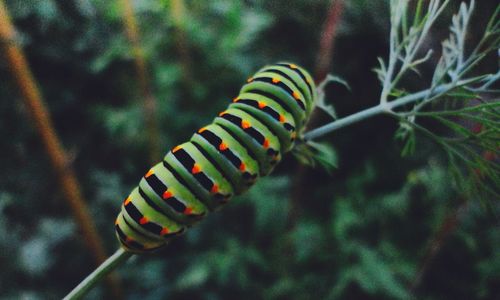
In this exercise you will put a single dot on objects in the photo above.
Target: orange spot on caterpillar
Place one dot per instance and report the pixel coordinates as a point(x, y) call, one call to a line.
point(293, 66)
point(222, 146)
point(242, 167)
point(222, 113)
point(249, 79)
point(116, 221)
point(196, 169)
point(296, 95)
point(245, 124)
point(276, 80)
point(282, 119)
point(235, 99)
point(167, 194)
point(127, 201)
point(176, 148)
point(149, 173)
point(214, 189)
point(164, 231)
point(293, 135)
point(266, 144)
point(262, 104)
point(202, 129)
point(143, 220)
point(188, 210)
point(129, 239)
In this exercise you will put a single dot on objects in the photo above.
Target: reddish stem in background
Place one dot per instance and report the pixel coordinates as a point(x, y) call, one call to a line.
point(445, 231)
point(327, 41)
point(324, 60)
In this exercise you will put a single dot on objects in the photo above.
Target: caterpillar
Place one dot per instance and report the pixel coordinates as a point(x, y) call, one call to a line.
point(221, 160)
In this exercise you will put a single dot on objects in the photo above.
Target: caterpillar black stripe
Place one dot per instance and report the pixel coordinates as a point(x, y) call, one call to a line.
point(221, 160)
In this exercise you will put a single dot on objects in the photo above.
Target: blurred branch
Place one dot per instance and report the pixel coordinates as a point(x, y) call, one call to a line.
point(43, 124)
point(324, 60)
point(446, 229)
point(150, 102)
point(327, 40)
point(178, 14)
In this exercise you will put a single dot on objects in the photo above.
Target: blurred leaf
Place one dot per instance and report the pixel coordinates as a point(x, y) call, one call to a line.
point(373, 275)
point(307, 239)
point(314, 153)
point(345, 219)
point(269, 199)
point(321, 102)
point(406, 133)
point(194, 277)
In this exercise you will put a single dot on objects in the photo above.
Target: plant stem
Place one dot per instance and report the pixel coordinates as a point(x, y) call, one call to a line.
point(354, 118)
point(120, 256)
point(380, 109)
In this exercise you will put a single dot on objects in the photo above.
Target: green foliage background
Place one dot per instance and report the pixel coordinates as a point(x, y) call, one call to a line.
point(361, 234)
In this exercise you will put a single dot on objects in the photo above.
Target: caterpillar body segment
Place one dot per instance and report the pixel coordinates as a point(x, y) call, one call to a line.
point(171, 196)
point(233, 158)
point(278, 120)
point(221, 160)
point(305, 78)
point(199, 174)
point(275, 92)
point(286, 85)
point(254, 135)
point(140, 227)
point(296, 80)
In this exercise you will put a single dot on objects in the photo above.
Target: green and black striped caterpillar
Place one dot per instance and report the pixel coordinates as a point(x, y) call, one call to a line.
point(220, 160)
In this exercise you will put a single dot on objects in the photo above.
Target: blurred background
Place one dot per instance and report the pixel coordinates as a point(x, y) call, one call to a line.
point(124, 81)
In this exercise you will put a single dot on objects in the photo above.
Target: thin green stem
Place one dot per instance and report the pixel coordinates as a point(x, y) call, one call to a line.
point(95, 277)
point(426, 96)
point(378, 109)
point(343, 122)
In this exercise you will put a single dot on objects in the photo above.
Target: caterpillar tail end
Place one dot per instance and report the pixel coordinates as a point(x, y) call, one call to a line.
point(130, 241)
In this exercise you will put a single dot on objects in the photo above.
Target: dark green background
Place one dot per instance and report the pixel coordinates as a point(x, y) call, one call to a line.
point(361, 233)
